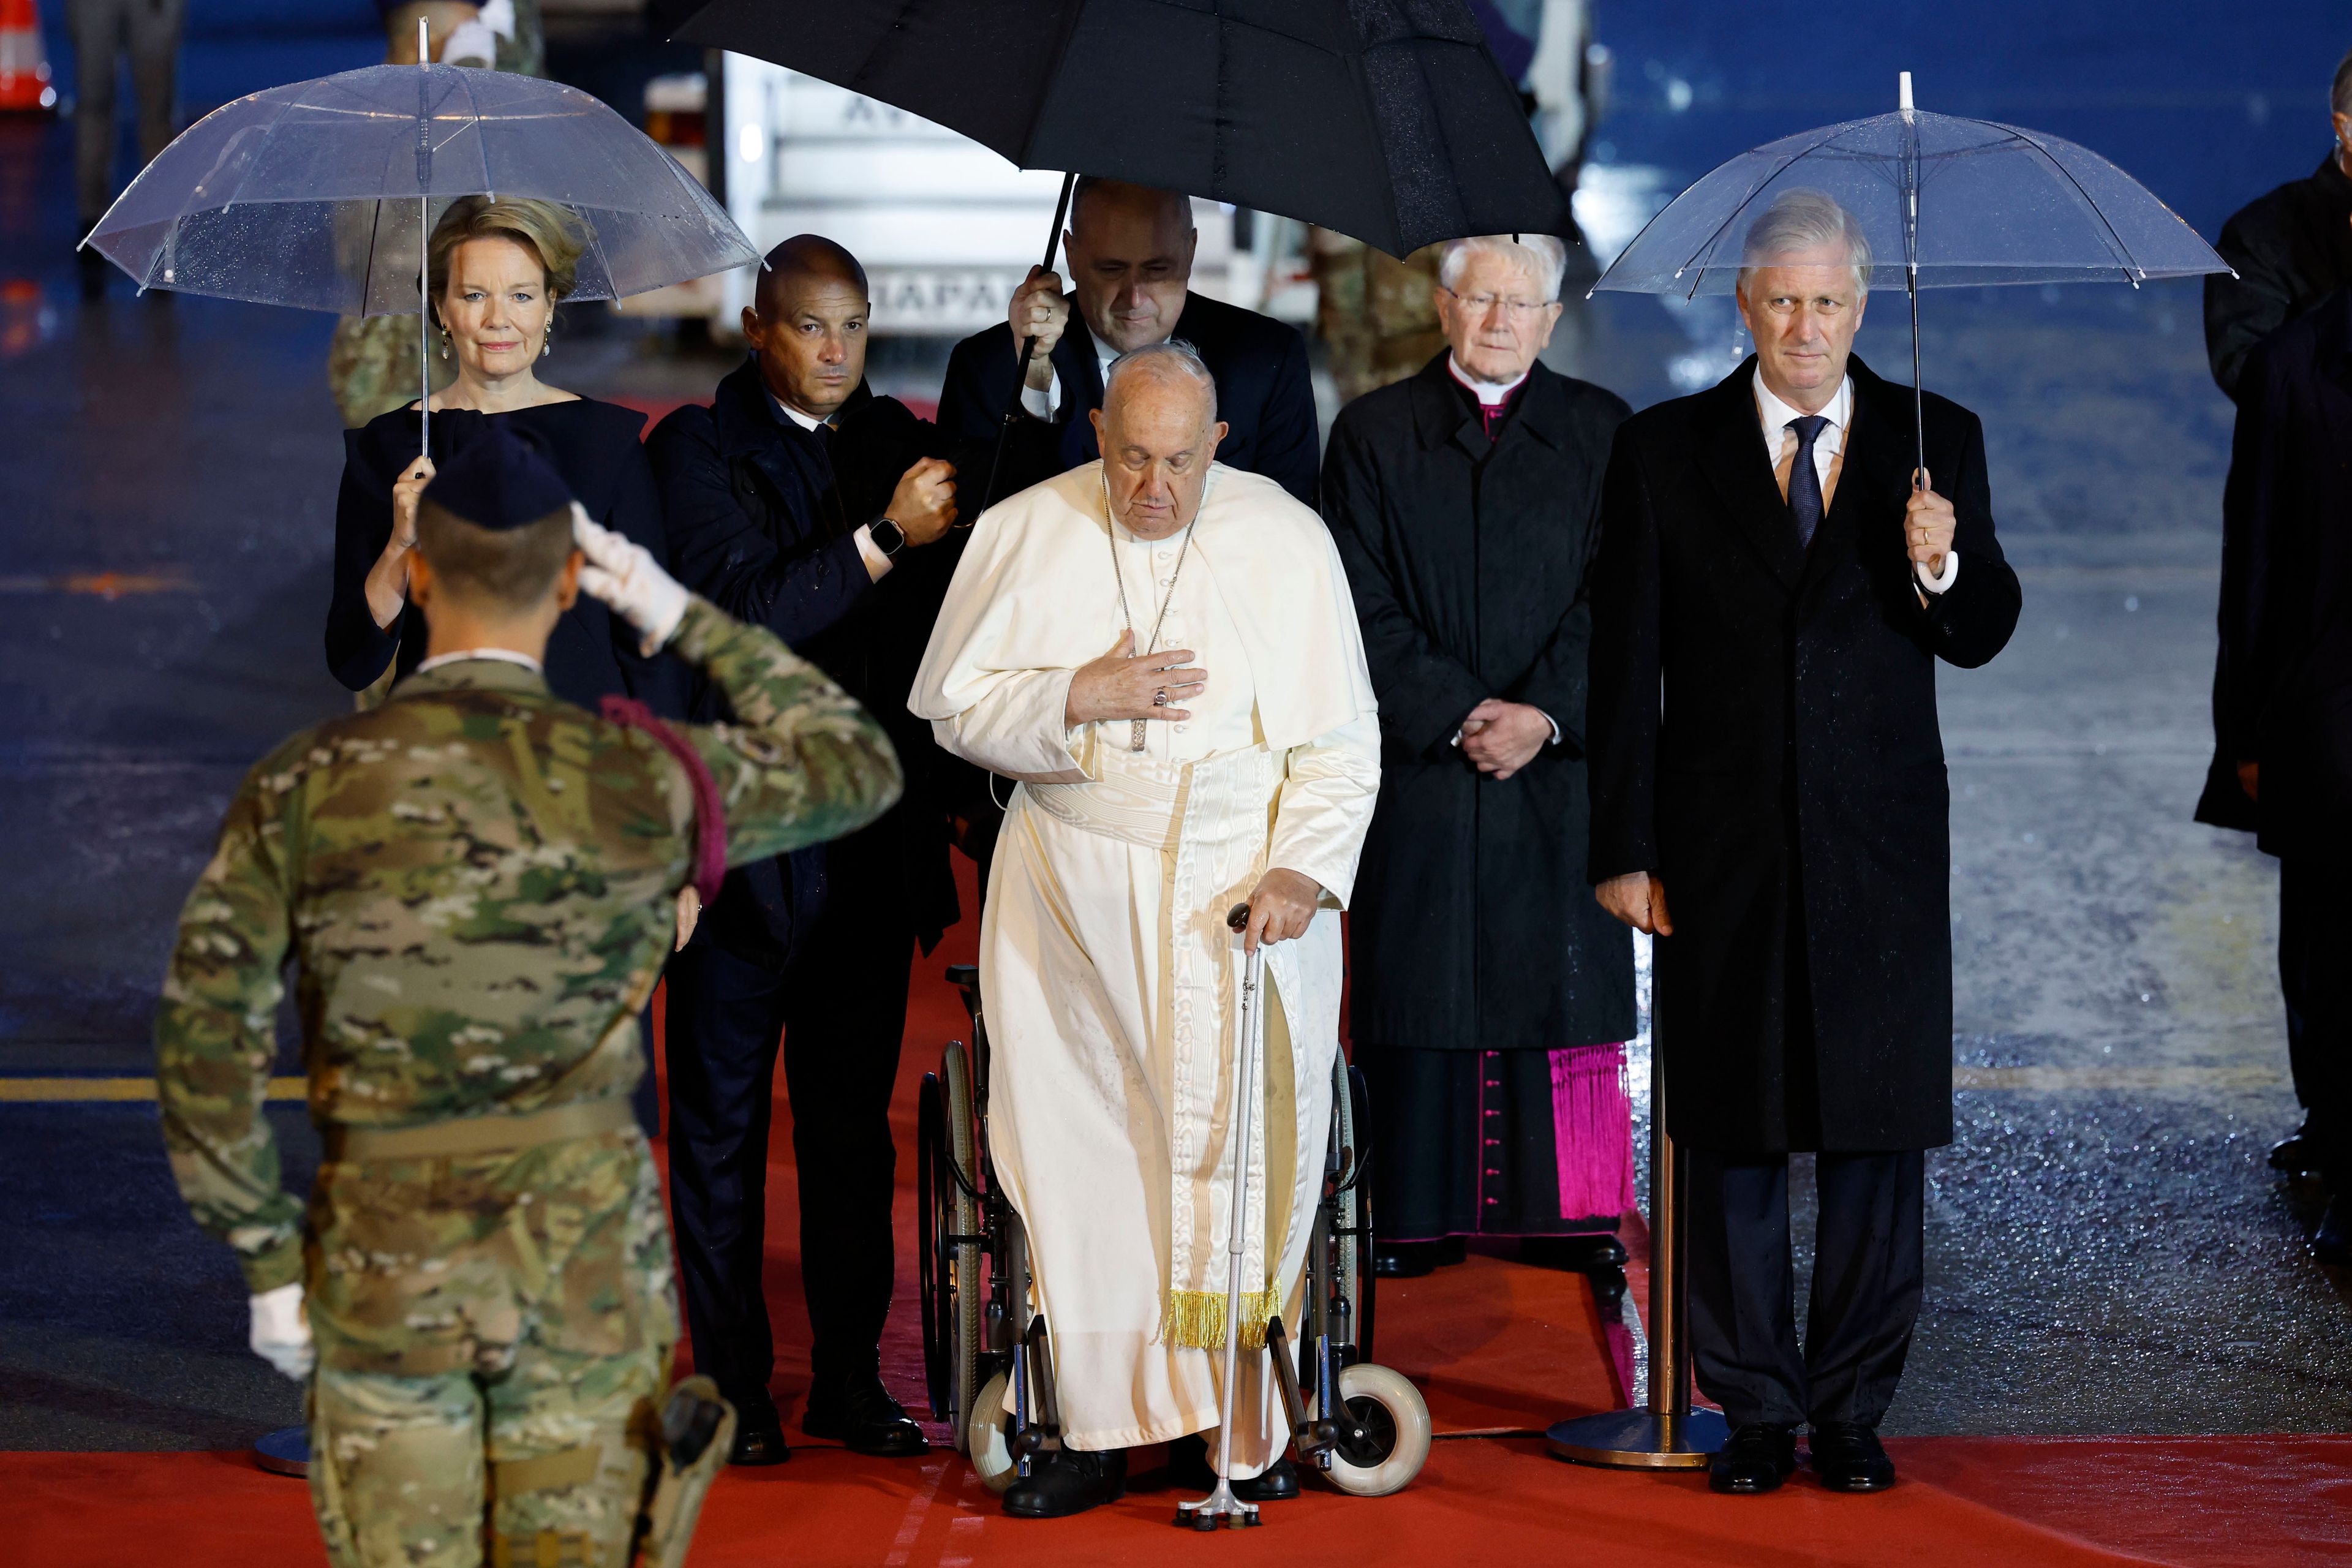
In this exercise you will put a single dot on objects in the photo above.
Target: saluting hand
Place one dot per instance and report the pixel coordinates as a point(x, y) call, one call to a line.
point(1122, 685)
point(1927, 525)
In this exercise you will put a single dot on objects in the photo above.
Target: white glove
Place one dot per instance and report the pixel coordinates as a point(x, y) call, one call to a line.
point(629, 581)
point(281, 1334)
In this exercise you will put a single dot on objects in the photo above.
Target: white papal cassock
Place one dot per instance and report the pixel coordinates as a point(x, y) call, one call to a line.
point(1107, 976)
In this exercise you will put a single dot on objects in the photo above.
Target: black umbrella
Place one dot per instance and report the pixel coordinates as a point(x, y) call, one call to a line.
point(1386, 120)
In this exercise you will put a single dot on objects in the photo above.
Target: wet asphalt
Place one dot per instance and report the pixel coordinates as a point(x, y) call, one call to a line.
point(2106, 1251)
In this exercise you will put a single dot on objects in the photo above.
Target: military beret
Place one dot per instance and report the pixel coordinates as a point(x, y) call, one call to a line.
point(499, 480)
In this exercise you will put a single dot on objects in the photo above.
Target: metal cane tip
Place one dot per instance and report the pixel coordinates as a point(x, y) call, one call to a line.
point(1238, 917)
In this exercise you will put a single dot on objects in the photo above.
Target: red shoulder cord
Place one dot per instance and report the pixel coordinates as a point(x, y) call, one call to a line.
point(710, 811)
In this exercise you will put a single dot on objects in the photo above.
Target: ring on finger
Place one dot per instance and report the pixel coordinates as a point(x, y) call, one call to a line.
point(1160, 698)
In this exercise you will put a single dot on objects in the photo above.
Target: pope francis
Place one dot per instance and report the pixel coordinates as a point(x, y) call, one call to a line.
point(1225, 747)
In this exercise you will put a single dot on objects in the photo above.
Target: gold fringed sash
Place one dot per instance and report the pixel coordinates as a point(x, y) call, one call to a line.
point(1197, 1318)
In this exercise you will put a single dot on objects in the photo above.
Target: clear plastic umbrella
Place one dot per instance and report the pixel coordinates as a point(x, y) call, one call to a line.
point(319, 195)
point(1956, 203)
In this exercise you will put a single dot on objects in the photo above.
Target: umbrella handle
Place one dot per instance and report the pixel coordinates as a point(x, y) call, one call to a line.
point(1028, 352)
point(424, 274)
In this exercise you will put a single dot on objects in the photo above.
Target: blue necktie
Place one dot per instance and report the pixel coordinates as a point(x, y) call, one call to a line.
point(1805, 479)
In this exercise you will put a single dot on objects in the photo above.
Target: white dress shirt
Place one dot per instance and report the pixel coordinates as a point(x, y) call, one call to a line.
point(1773, 418)
point(1046, 403)
point(877, 563)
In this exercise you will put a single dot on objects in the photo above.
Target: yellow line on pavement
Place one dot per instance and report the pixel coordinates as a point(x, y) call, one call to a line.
point(39, 1090)
point(2049, 1080)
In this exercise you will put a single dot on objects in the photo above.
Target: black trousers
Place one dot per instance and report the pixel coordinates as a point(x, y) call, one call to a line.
point(2316, 976)
point(1868, 1267)
point(841, 1009)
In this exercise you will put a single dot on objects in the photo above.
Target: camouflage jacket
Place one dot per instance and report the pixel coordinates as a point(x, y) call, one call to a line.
point(475, 882)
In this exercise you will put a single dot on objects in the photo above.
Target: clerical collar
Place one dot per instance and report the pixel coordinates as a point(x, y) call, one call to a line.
point(1489, 394)
point(503, 655)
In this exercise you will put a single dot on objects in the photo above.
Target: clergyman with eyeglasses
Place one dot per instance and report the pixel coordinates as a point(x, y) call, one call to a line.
point(1492, 995)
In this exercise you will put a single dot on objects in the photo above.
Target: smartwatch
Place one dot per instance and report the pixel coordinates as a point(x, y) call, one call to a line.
point(887, 536)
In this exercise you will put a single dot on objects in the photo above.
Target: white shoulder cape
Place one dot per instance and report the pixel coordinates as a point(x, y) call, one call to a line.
point(1034, 557)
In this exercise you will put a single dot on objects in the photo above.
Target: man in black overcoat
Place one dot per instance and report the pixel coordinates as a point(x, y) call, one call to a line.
point(1131, 258)
point(2285, 697)
point(1769, 798)
point(2292, 249)
point(799, 501)
point(1492, 994)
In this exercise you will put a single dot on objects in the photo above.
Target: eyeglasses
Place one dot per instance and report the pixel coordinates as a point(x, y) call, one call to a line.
point(1516, 311)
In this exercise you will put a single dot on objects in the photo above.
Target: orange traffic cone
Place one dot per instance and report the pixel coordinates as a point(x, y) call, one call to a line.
point(24, 64)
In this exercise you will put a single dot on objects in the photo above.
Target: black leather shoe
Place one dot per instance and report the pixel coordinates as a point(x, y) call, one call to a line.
point(1849, 1457)
point(2295, 1156)
point(1576, 1254)
point(864, 1417)
point(1191, 1467)
point(1757, 1458)
point(1405, 1259)
point(2332, 1243)
point(759, 1434)
point(1069, 1481)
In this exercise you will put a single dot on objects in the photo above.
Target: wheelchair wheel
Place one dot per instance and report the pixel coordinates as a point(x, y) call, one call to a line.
point(985, 1438)
point(931, 1267)
point(962, 1297)
point(1383, 1434)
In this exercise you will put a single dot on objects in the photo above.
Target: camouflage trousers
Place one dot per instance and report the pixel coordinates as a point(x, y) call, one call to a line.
point(494, 1338)
point(541, 1467)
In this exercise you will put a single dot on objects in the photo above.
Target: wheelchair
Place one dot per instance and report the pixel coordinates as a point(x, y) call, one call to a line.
point(1363, 1427)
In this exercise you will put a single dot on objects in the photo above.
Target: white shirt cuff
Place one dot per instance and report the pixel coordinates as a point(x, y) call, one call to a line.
point(1939, 584)
point(1041, 405)
point(878, 565)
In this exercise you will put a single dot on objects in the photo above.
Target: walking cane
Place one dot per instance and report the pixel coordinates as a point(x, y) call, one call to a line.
point(1668, 1435)
point(1221, 1503)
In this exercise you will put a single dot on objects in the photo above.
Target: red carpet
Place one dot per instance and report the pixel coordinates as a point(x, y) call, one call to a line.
point(1496, 1347)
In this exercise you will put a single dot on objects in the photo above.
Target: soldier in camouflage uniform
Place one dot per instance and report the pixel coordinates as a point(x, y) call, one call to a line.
point(478, 883)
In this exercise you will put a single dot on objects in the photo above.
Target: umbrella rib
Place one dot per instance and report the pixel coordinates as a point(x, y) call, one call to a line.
point(1741, 205)
point(2130, 264)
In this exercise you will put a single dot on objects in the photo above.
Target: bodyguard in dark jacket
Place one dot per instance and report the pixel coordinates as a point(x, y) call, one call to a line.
point(1130, 258)
point(2284, 696)
point(1492, 994)
point(2290, 249)
point(1782, 824)
point(800, 502)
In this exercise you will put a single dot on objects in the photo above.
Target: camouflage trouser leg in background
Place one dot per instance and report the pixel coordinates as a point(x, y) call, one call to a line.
point(551, 1452)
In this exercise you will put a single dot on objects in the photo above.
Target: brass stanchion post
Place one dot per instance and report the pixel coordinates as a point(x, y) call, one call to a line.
point(1667, 1434)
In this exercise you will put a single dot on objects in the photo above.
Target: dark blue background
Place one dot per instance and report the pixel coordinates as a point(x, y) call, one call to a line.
point(2207, 105)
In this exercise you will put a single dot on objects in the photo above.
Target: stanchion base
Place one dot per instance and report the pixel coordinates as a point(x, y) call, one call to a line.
point(285, 1452)
point(1640, 1439)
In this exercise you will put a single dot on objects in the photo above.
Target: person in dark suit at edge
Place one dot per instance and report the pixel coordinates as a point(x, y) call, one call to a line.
point(801, 502)
point(2292, 252)
point(1770, 800)
point(2286, 740)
